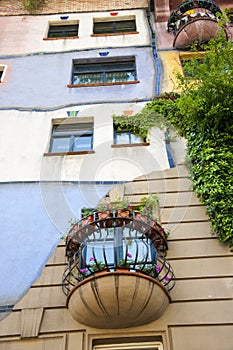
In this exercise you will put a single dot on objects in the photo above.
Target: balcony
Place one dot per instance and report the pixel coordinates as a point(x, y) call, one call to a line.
point(194, 21)
point(117, 275)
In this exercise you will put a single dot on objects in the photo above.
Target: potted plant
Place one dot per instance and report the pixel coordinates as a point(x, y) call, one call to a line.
point(147, 209)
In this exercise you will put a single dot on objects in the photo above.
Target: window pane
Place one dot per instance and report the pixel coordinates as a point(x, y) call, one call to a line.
point(90, 78)
point(126, 136)
point(122, 137)
point(61, 31)
point(103, 27)
point(60, 144)
point(114, 27)
point(119, 76)
point(136, 138)
point(125, 26)
point(82, 143)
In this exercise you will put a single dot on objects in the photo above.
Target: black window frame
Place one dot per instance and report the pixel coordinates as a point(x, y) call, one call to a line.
point(72, 131)
point(66, 30)
point(114, 27)
point(104, 68)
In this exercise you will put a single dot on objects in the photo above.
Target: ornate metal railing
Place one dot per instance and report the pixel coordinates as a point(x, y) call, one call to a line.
point(110, 240)
point(182, 15)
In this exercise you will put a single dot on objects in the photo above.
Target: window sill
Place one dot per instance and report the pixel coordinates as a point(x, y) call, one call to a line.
point(67, 153)
point(113, 34)
point(103, 84)
point(62, 38)
point(130, 144)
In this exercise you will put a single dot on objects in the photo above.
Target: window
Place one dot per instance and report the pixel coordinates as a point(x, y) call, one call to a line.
point(2, 72)
point(126, 137)
point(113, 27)
point(71, 137)
point(131, 346)
point(104, 72)
point(63, 30)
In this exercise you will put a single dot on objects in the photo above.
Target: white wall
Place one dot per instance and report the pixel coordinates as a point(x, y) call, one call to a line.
point(25, 137)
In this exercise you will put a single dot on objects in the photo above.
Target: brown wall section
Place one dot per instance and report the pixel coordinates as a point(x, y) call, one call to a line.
point(201, 313)
point(15, 7)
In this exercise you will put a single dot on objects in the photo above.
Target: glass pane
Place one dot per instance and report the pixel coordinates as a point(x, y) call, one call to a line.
point(89, 78)
point(60, 144)
point(125, 26)
point(127, 137)
point(119, 76)
point(82, 143)
point(136, 138)
point(103, 28)
point(96, 249)
point(63, 31)
point(122, 137)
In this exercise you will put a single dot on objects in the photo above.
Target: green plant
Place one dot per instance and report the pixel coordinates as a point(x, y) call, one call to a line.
point(150, 116)
point(117, 203)
point(87, 211)
point(148, 205)
point(32, 5)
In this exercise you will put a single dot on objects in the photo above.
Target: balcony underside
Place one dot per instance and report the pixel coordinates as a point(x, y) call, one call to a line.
point(118, 299)
point(197, 31)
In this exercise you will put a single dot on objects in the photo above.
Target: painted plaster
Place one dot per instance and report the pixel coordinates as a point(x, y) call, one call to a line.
point(34, 216)
point(23, 147)
point(28, 38)
point(40, 81)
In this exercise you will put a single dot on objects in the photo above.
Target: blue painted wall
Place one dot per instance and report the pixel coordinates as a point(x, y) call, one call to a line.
point(34, 217)
point(41, 80)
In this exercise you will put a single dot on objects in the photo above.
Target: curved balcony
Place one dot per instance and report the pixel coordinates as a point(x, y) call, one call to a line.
point(194, 21)
point(117, 274)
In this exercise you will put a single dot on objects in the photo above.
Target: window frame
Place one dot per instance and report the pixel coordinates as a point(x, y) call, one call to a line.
point(130, 133)
point(96, 63)
point(130, 346)
point(85, 127)
point(62, 24)
point(131, 144)
point(114, 22)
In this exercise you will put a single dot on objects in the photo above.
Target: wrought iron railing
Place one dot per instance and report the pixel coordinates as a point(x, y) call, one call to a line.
point(107, 241)
point(183, 14)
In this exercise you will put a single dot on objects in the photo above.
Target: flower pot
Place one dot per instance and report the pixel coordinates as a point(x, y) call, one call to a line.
point(128, 112)
point(123, 214)
point(105, 216)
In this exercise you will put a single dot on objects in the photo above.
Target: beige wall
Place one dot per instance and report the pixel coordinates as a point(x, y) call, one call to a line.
point(200, 315)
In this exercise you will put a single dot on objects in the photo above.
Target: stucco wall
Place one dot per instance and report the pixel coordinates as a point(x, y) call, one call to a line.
point(34, 217)
point(40, 81)
point(28, 38)
point(25, 137)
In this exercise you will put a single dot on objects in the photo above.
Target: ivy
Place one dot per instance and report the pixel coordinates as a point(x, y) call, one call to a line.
point(152, 115)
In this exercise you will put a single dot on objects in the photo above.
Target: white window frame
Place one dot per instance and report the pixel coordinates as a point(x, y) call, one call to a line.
point(131, 346)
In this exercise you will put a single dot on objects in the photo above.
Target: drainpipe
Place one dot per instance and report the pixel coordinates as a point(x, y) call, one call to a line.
point(157, 87)
point(155, 55)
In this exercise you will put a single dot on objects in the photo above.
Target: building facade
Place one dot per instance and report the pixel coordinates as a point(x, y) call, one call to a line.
point(66, 68)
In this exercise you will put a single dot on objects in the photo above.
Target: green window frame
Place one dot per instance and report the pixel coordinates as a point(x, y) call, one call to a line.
point(111, 27)
point(63, 30)
point(104, 72)
point(71, 137)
